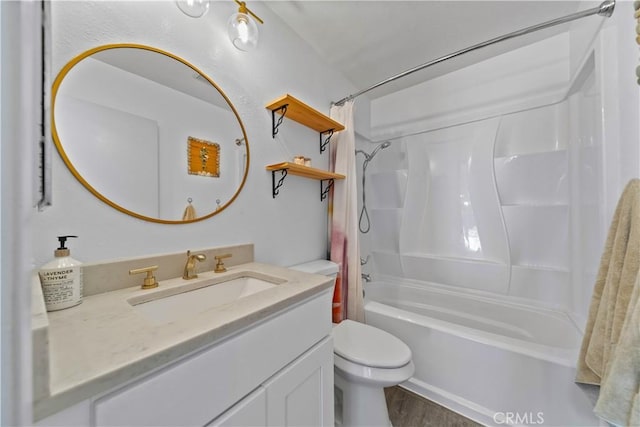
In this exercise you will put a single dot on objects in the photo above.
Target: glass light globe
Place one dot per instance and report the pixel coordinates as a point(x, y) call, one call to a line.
point(243, 32)
point(193, 8)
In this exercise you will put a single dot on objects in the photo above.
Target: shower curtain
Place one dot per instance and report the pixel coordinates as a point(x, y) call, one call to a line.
point(343, 220)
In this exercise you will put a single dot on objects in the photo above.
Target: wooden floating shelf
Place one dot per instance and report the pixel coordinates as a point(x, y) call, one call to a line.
point(289, 107)
point(304, 171)
point(300, 112)
point(286, 168)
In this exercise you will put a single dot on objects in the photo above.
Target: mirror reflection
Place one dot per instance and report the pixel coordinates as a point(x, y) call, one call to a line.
point(149, 134)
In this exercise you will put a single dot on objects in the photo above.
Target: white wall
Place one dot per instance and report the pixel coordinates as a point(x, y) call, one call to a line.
point(285, 230)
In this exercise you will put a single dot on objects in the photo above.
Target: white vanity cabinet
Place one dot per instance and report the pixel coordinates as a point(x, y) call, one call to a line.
point(276, 372)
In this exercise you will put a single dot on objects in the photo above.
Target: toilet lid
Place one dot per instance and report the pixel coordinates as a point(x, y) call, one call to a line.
point(369, 346)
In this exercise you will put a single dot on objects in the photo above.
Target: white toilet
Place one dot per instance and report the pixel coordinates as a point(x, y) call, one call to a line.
point(366, 359)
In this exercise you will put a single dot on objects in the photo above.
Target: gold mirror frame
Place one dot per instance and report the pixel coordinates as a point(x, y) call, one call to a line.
point(56, 139)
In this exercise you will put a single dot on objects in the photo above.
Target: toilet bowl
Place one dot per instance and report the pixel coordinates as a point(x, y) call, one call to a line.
point(366, 359)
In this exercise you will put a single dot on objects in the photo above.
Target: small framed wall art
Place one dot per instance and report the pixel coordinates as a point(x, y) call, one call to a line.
point(203, 157)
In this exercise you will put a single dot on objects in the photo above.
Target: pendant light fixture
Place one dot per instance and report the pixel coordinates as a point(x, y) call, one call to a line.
point(242, 30)
point(193, 8)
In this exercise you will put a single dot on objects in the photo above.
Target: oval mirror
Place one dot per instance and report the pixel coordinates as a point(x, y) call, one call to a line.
point(149, 134)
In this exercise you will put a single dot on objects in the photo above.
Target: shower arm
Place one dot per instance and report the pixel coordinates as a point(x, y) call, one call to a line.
point(604, 9)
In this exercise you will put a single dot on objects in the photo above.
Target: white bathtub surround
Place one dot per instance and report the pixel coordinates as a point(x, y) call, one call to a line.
point(503, 211)
point(509, 203)
point(343, 222)
point(486, 207)
point(482, 355)
point(500, 221)
point(452, 208)
point(547, 171)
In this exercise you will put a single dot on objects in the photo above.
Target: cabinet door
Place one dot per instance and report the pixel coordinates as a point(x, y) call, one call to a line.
point(302, 393)
point(250, 411)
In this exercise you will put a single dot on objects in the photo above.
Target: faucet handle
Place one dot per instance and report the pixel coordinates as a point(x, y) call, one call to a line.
point(150, 281)
point(220, 268)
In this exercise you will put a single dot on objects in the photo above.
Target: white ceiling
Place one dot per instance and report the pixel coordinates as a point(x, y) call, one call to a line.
point(369, 41)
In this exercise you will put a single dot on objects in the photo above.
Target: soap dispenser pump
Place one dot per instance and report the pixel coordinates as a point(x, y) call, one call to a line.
point(61, 279)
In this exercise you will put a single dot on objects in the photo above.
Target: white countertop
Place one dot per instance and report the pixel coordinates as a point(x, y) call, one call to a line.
point(105, 342)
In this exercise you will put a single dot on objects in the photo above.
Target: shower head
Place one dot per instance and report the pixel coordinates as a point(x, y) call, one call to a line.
point(364, 216)
point(369, 156)
point(378, 148)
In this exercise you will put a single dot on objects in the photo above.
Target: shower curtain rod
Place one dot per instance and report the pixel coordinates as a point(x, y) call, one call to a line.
point(604, 9)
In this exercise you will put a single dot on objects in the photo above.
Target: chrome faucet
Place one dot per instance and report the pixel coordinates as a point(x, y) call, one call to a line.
point(366, 277)
point(190, 266)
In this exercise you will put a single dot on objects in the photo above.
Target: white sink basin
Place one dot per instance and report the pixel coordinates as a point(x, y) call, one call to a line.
point(179, 302)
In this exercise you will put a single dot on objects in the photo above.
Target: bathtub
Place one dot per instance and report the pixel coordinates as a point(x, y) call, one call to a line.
point(491, 360)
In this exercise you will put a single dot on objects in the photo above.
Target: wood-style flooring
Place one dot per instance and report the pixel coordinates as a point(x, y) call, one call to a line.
point(407, 409)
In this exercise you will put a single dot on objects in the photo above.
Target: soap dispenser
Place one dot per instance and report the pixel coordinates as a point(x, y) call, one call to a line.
point(61, 279)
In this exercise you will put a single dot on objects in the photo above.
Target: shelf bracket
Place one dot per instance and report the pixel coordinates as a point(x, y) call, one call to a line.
point(323, 144)
point(324, 191)
point(276, 186)
point(275, 123)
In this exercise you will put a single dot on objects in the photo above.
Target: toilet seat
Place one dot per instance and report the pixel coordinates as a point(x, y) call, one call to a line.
point(377, 377)
point(368, 346)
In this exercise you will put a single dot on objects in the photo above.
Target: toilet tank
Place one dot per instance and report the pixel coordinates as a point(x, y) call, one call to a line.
point(319, 266)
